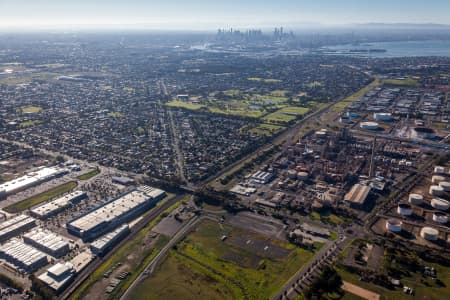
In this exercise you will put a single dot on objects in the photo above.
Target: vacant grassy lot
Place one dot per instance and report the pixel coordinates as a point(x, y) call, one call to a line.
point(40, 198)
point(89, 174)
point(410, 82)
point(239, 267)
point(296, 110)
point(279, 117)
point(266, 129)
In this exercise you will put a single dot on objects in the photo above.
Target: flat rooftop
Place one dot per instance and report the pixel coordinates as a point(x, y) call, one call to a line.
point(116, 208)
point(358, 194)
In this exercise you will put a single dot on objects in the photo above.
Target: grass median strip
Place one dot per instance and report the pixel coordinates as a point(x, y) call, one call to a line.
point(40, 198)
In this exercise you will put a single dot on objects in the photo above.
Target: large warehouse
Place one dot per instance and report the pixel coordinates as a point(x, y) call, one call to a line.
point(357, 196)
point(39, 176)
point(114, 212)
point(47, 241)
point(16, 226)
point(56, 206)
point(22, 255)
point(105, 242)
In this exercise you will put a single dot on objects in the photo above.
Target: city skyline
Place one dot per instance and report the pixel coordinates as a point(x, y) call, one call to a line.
point(176, 14)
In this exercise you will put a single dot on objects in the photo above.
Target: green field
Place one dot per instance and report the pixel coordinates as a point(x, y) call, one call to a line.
point(410, 82)
point(266, 129)
point(115, 114)
point(279, 117)
point(40, 198)
point(296, 110)
point(30, 109)
point(29, 123)
point(89, 174)
point(208, 268)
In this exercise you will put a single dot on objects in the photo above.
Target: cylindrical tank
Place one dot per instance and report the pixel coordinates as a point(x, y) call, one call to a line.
point(436, 190)
point(369, 125)
point(436, 179)
point(394, 225)
point(445, 185)
point(439, 170)
point(415, 199)
point(404, 209)
point(429, 233)
point(440, 218)
point(302, 175)
point(440, 204)
point(292, 174)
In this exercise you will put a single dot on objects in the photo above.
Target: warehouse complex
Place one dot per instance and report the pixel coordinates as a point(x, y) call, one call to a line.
point(114, 212)
point(22, 256)
point(47, 241)
point(56, 206)
point(16, 226)
point(39, 176)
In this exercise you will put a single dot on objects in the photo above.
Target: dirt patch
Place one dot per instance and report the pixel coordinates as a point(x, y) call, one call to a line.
point(359, 291)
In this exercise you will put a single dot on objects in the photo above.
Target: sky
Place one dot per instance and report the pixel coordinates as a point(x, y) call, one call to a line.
point(211, 14)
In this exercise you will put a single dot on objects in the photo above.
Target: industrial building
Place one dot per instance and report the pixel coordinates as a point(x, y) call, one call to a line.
point(104, 243)
point(16, 226)
point(357, 196)
point(39, 176)
point(114, 212)
point(56, 206)
point(23, 256)
point(123, 180)
point(58, 276)
point(48, 242)
point(262, 177)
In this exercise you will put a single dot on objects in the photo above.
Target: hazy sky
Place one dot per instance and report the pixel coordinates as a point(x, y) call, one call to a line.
point(209, 14)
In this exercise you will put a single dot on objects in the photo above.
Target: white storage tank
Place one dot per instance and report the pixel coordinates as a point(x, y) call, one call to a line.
point(415, 199)
point(394, 225)
point(429, 233)
point(440, 204)
point(382, 117)
point(439, 170)
point(369, 125)
point(436, 190)
point(440, 217)
point(445, 185)
point(404, 209)
point(302, 175)
point(436, 179)
point(292, 174)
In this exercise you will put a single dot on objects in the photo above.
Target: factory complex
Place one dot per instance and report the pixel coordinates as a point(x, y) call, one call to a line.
point(39, 176)
point(114, 212)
